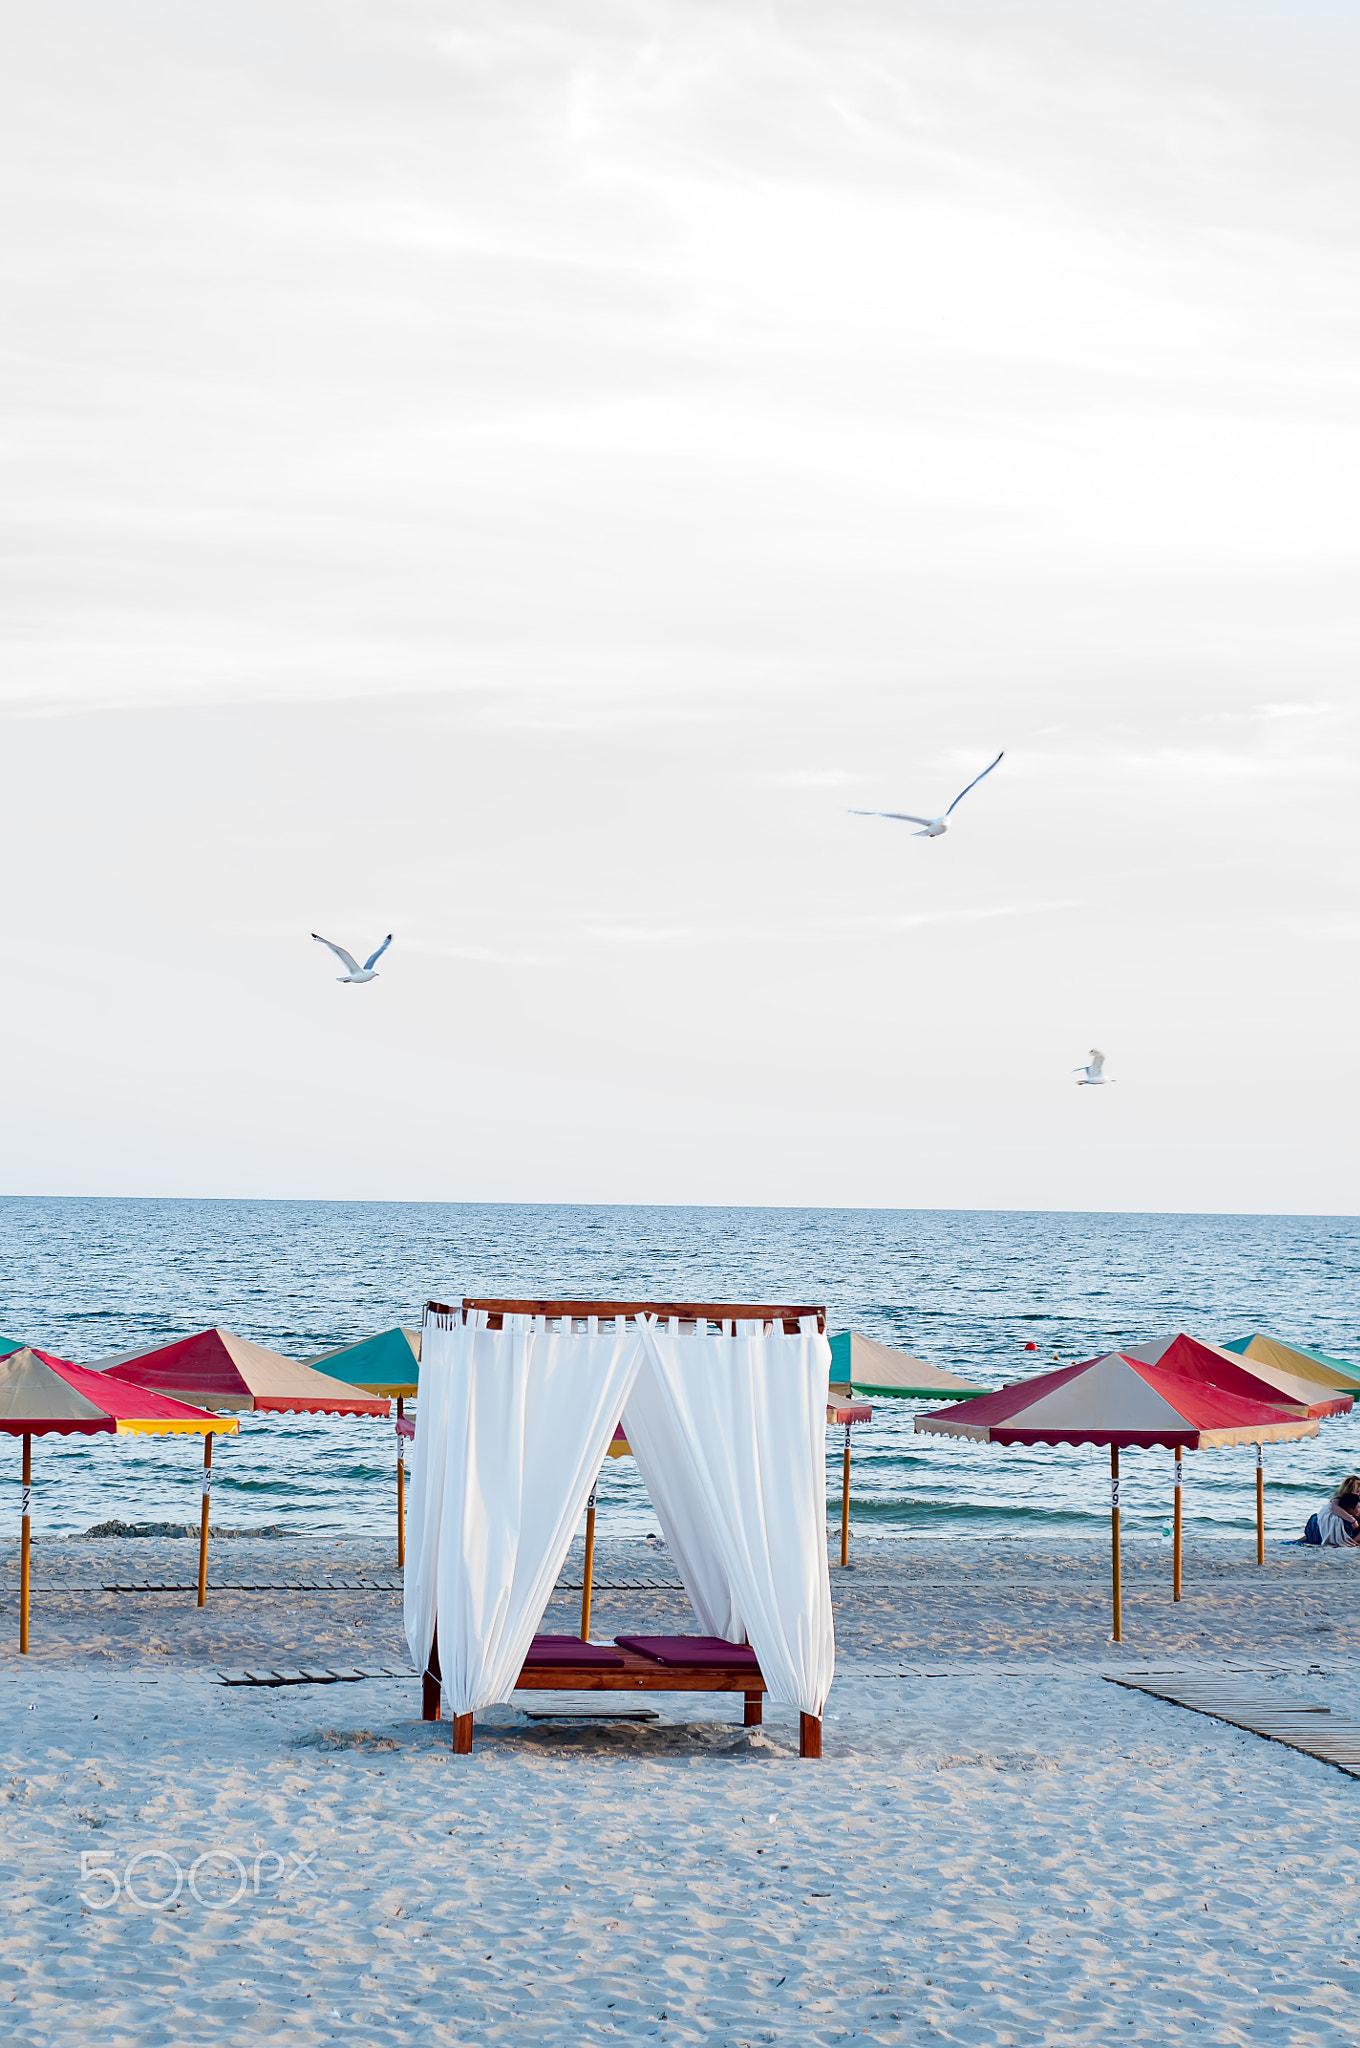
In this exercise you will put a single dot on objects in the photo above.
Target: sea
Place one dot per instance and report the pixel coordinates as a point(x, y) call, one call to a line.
point(967, 1290)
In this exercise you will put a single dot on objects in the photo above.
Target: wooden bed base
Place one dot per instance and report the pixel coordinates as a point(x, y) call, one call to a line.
point(633, 1673)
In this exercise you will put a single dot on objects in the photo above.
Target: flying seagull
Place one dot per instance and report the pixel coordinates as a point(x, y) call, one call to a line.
point(934, 827)
point(1094, 1076)
point(356, 973)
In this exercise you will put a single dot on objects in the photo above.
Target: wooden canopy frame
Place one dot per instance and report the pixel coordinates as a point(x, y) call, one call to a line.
point(634, 1672)
point(580, 1311)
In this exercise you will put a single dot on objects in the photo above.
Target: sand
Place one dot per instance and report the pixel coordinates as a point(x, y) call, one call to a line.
point(998, 1845)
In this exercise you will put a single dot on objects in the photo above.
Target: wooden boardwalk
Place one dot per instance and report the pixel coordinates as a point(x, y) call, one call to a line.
point(314, 1674)
point(1298, 1724)
point(617, 1582)
point(247, 1586)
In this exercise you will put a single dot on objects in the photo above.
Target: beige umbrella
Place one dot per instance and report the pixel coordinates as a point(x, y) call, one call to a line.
point(864, 1366)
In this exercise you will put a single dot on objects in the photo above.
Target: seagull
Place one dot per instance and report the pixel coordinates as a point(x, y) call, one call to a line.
point(935, 828)
point(1094, 1076)
point(356, 973)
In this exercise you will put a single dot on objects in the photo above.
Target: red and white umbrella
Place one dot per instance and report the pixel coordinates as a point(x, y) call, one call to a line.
point(1126, 1404)
point(1255, 1379)
point(843, 1414)
point(217, 1369)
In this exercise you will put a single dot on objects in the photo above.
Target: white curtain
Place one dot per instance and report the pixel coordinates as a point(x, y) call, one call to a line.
point(670, 1466)
point(511, 1431)
point(429, 1464)
point(730, 1437)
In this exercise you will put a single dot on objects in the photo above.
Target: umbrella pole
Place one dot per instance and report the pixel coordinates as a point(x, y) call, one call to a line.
point(845, 1501)
point(589, 1572)
point(401, 1486)
point(1176, 1533)
point(203, 1520)
point(23, 1548)
point(1260, 1505)
point(1117, 1635)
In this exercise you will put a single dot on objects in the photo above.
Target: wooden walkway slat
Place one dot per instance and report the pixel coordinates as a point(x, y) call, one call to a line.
point(1297, 1724)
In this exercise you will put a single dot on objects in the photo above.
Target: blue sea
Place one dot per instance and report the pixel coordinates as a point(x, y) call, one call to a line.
point(964, 1289)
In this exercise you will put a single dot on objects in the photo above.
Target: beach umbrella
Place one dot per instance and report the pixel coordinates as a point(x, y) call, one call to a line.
point(844, 1414)
point(45, 1396)
point(219, 1370)
point(1122, 1403)
point(1255, 1380)
point(865, 1366)
point(1316, 1366)
point(228, 1372)
point(8, 1344)
point(386, 1364)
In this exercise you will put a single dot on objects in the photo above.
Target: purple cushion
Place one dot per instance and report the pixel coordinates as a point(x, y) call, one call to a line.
point(570, 1650)
point(709, 1650)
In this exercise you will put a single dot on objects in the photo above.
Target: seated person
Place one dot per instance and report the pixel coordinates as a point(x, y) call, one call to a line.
point(1339, 1522)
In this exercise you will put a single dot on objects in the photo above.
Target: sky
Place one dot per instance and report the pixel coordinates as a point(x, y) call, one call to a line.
point(518, 475)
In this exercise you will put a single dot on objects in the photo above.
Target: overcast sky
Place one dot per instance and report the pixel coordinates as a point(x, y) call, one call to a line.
point(514, 474)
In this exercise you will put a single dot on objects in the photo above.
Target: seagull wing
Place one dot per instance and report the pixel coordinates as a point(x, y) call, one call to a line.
point(1097, 1066)
point(378, 955)
point(907, 817)
point(975, 781)
point(339, 952)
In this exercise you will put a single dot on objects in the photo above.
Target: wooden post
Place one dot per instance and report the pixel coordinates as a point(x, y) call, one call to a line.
point(1118, 1631)
point(1176, 1533)
point(23, 1546)
point(845, 1501)
point(462, 1735)
point(589, 1573)
point(809, 1735)
point(755, 1710)
point(431, 1683)
point(401, 1486)
point(203, 1520)
point(1260, 1505)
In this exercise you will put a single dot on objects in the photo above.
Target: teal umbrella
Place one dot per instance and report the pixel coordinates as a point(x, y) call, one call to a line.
point(386, 1364)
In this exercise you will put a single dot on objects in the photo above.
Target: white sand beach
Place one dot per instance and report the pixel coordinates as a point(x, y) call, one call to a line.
point(999, 1846)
